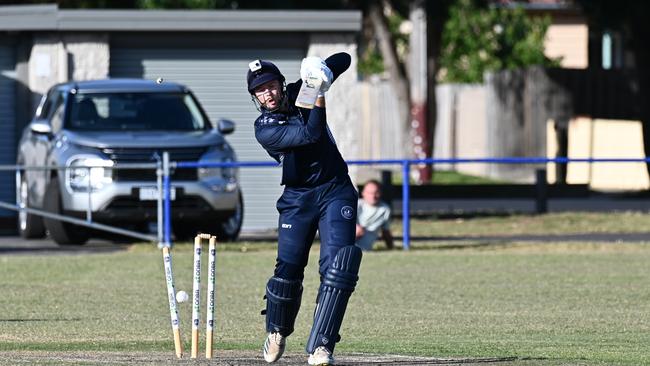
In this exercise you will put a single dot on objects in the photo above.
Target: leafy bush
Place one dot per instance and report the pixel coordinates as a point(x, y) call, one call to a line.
point(477, 39)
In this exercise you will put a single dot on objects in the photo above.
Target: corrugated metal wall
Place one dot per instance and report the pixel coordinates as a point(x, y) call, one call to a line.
point(218, 79)
point(7, 125)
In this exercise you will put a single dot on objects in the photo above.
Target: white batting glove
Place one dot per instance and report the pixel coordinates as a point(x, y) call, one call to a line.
point(326, 75)
point(309, 66)
point(316, 67)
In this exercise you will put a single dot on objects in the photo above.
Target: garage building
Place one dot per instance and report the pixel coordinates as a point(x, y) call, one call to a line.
point(209, 51)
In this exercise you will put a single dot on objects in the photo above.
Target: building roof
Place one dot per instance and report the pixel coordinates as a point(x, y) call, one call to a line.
point(122, 85)
point(50, 17)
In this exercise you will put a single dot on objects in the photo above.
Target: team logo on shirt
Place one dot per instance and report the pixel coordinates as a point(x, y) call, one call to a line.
point(347, 212)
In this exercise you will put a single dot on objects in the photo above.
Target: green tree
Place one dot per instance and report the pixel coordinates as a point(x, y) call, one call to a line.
point(477, 39)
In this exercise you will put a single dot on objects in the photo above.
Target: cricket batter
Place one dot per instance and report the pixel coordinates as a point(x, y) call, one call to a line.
point(318, 195)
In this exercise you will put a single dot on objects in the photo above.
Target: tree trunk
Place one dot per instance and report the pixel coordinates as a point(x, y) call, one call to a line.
point(437, 13)
point(395, 69)
point(418, 83)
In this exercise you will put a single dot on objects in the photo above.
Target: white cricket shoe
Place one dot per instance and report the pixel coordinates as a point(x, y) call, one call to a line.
point(274, 347)
point(321, 357)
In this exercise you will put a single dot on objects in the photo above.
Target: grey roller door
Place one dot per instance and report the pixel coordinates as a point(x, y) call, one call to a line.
point(218, 79)
point(7, 125)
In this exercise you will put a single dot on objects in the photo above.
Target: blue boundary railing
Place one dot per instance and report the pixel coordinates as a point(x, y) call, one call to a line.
point(406, 168)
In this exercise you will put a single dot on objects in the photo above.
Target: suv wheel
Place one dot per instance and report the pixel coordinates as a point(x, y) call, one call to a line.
point(29, 226)
point(228, 230)
point(61, 232)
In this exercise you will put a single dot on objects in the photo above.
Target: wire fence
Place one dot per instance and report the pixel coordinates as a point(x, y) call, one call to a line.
point(406, 170)
point(163, 167)
point(22, 207)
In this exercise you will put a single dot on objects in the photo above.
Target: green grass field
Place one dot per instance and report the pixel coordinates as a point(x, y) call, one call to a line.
point(560, 303)
point(451, 177)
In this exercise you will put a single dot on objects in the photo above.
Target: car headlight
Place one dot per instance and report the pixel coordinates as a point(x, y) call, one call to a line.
point(229, 173)
point(216, 155)
point(209, 172)
point(89, 172)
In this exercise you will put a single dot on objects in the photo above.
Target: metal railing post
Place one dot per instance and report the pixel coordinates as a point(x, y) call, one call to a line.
point(167, 199)
point(406, 207)
point(18, 188)
point(89, 214)
point(387, 187)
point(541, 191)
point(159, 211)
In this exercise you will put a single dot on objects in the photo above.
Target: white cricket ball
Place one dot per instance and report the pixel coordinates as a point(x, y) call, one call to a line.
point(182, 296)
point(159, 80)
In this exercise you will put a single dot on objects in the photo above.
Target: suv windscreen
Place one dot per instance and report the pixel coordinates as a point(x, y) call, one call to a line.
point(134, 112)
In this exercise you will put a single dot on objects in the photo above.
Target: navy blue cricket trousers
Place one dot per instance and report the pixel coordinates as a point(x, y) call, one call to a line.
point(331, 208)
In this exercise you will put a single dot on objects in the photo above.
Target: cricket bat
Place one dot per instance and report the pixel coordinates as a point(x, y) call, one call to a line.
point(308, 92)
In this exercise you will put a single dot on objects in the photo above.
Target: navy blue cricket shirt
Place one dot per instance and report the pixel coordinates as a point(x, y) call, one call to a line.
point(300, 140)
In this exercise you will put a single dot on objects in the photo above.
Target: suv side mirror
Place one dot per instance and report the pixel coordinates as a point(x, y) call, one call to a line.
point(226, 126)
point(41, 127)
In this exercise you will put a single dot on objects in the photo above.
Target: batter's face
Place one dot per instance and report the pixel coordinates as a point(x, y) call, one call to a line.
point(269, 94)
point(371, 193)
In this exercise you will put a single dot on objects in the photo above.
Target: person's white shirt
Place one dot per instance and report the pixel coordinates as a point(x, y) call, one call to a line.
point(374, 219)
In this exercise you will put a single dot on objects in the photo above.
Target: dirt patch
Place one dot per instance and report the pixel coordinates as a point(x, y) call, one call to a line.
point(223, 358)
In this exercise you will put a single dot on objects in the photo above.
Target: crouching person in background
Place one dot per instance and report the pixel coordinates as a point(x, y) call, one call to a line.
point(373, 217)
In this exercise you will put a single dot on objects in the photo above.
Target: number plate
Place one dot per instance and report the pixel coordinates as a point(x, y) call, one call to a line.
point(151, 193)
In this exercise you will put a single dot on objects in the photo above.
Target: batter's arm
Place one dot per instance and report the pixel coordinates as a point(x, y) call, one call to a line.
point(338, 63)
point(277, 137)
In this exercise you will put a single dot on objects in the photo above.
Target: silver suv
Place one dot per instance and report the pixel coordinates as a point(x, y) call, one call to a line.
point(108, 122)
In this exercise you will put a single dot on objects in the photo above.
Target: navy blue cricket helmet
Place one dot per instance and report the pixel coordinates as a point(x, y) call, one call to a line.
point(260, 72)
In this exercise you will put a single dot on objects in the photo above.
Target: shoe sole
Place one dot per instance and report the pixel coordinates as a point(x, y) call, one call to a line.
point(326, 363)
